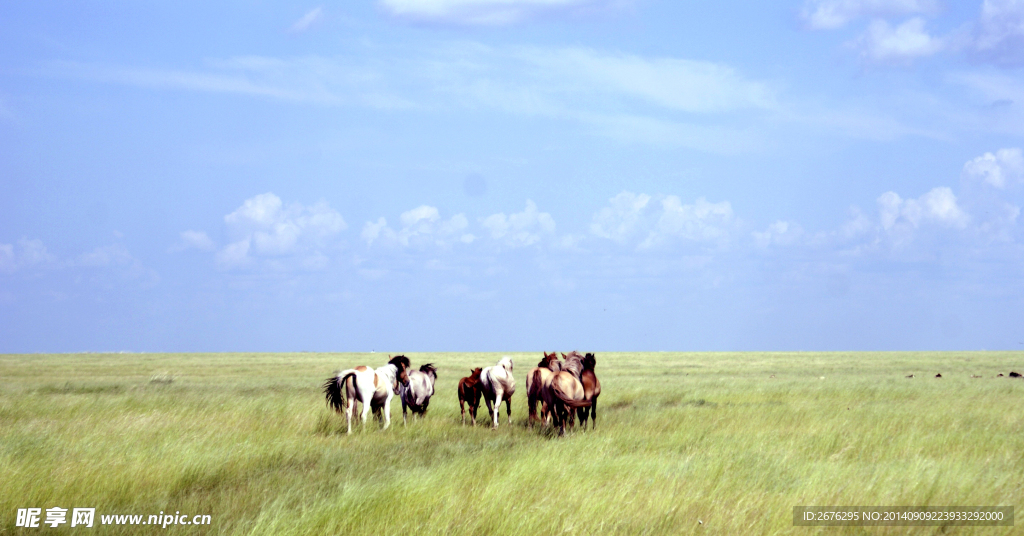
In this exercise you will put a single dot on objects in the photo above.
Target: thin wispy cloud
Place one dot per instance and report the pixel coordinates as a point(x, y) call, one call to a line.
point(307, 21)
point(483, 12)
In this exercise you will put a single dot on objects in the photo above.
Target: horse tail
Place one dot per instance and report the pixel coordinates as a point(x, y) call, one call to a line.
point(536, 382)
point(333, 390)
point(566, 398)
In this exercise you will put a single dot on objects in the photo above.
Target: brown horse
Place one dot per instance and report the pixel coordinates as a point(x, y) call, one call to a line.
point(469, 393)
point(591, 390)
point(537, 380)
point(565, 393)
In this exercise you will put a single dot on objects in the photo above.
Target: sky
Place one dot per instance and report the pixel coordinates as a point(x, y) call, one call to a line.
point(511, 175)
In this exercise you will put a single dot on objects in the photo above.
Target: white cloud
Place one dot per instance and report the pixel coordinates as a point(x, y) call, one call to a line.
point(421, 226)
point(1005, 165)
point(780, 233)
point(193, 240)
point(106, 257)
point(999, 32)
point(263, 226)
point(884, 43)
point(938, 206)
point(521, 228)
point(831, 14)
point(308, 20)
point(25, 253)
point(634, 218)
point(482, 12)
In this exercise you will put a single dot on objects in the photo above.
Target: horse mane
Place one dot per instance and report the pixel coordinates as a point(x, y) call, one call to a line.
point(472, 379)
point(429, 369)
point(401, 362)
point(550, 362)
point(573, 363)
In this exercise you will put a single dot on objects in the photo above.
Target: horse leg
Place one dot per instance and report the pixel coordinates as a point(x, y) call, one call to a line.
point(593, 413)
point(366, 411)
point(349, 412)
point(405, 420)
point(508, 409)
point(531, 404)
point(386, 409)
point(489, 408)
point(462, 409)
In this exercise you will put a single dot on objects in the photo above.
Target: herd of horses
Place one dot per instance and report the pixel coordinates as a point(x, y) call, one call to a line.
point(562, 389)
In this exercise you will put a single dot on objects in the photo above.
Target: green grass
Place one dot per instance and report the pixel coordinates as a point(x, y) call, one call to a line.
point(681, 437)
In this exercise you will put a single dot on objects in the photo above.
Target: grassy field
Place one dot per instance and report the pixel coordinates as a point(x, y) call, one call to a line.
point(687, 443)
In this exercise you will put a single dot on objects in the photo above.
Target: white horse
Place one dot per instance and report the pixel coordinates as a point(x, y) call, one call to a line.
point(498, 385)
point(415, 394)
point(373, 388)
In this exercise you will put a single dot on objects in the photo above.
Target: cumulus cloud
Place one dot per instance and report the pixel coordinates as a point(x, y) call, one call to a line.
point(480, 12)
point(831, 14)
point(263, 226)
point(307, 21)
point(421, 226)
point(884, 43)
point(634, 218)
point(996, 169)
point(999, 32)
point(521, 228)
point(937, 206)
point(25, 253)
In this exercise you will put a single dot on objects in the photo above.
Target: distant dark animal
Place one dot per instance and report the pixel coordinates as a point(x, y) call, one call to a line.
point(415, 393)
point(591, 390)
point(938, 375)
point(999, 375)
point(910, 376)
point(498, 385)
point(537, 380)
point(469, 393)
point(565, 393)
point(1014, 375)
point(374, 389)
point(975, 376)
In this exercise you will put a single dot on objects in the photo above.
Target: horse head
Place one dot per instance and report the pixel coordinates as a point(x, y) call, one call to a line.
point(506, 363)
point(589, 361)
point(430, 370)
point(402, 365)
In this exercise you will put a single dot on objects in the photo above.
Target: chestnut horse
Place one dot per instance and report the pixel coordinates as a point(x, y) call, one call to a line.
point(373, 388)
point(537, 380)
point(469, 393)
point(498, 385)
point(565, 393)
point(591, 390)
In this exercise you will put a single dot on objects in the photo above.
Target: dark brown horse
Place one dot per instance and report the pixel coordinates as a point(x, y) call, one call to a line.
point(591, 390)
point(469, 393)
point(537, 380)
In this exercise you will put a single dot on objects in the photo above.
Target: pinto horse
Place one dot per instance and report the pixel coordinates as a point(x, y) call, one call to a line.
point(415, 394)
point(591, 390)
point(498, 385)
point(469, 393)
point(537, 380)
point(373, 388)
point(565, 393)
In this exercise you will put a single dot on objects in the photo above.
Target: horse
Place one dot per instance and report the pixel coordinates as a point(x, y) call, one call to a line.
point(537, 380)
point(373, 388)
point(415, 394)
point(469, 393)
point(565, 392)
point(591, 390)
point(498, 385)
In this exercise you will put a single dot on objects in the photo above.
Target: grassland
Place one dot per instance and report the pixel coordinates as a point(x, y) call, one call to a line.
point(687, 443)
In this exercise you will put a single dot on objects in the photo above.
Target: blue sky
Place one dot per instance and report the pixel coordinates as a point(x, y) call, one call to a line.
point(488, 175)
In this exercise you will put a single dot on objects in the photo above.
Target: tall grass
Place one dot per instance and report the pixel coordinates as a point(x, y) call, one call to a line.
point(686, 443)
